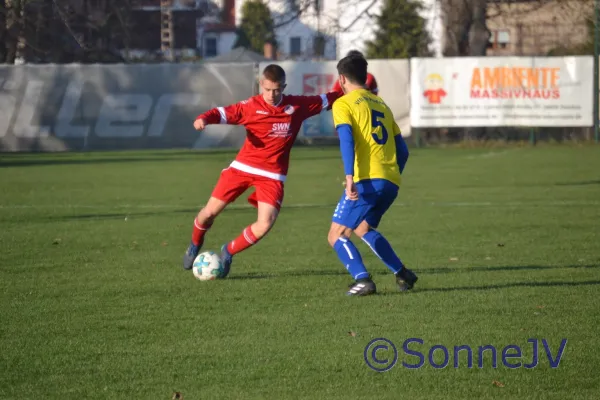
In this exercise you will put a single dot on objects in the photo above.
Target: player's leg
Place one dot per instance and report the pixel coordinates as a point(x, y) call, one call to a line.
point(267, 199)
point(230, 186)
point(205, 218)
point(405, 278)
point(346, 217)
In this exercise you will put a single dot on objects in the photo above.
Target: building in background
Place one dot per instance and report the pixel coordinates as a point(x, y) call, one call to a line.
point(304, 28)
point(216, 32)
point(167, 28)
point(534, 28)
point(328, 29)
point(318, 29)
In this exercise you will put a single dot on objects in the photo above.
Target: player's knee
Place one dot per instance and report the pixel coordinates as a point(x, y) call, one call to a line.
point(264, 224)
point(211, 210)
point(335, 233)
point(332, 238)
point(261, 228)
point(208, 214)
point(362, 229)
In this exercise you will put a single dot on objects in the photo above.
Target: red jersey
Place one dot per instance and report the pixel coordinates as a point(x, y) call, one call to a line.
point(370, 84)
point(270, 130)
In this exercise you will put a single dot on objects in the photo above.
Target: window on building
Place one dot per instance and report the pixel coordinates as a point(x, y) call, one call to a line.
point(319, 45)
point(295, 46)
point(210, 47)
point(503, 39)
point(499, 39)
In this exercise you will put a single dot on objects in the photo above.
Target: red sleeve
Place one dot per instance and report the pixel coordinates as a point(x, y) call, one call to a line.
point(231, 115)
point(313, 105)
point(336, 86)
point(372, 84)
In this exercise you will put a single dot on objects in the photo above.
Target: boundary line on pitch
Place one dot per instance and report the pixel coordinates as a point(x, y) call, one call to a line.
point(306, 205)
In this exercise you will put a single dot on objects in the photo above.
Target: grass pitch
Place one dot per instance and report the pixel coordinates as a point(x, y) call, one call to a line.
point(95, 304)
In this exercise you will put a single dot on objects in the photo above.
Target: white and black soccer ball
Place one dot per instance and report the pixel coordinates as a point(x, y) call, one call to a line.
point(208, 266)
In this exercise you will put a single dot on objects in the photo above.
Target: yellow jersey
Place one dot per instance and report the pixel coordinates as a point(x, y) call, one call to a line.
point(373, 131)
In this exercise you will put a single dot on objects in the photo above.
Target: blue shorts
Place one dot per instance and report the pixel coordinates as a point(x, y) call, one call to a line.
point(374, 198)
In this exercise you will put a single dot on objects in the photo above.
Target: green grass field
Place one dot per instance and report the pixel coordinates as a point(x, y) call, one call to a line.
point(95, 304)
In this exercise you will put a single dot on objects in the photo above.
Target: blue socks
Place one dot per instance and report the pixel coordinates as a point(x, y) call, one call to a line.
point(350, 257)
point(382, 249)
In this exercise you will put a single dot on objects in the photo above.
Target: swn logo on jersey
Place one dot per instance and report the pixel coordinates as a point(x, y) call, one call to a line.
point(280, 129)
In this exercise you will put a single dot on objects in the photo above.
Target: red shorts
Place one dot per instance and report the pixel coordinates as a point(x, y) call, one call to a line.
point(234, 182)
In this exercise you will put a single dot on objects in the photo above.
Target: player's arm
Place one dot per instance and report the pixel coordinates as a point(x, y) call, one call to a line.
point(336, 87)
point(231, 115)
point(313, 105)
point(401, 148)
point(344, 132)
point(342, 121)
point(372, 84)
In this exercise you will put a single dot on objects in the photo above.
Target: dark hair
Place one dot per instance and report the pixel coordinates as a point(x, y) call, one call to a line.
point(354, 68)
point(274, 73)
point(355, 53)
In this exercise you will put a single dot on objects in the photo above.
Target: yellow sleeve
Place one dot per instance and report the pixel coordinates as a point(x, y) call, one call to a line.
point(341, 113)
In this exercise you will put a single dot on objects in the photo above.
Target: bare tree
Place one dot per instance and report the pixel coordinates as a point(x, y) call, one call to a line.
point(3, 32)
point(14, 21)
point(465, 30)
point(289, 11)
point(61, 31)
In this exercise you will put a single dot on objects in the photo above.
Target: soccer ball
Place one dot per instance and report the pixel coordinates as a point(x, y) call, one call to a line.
point(208, 266)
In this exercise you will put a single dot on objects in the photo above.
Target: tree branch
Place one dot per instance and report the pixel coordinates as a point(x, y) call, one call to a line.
point(65, 21)
point(359, 16)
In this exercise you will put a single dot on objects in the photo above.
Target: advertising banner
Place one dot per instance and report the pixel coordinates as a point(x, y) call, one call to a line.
point(502, 91)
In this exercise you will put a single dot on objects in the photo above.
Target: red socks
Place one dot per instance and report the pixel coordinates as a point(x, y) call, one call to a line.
point(239, 244)
point(199, 232)
point(242, 242)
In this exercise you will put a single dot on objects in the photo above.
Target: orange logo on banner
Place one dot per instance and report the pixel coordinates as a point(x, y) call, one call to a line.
point(515, 83)
point(434, 88)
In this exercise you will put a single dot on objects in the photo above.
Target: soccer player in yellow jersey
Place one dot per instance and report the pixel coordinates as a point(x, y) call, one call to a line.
point(374, 155)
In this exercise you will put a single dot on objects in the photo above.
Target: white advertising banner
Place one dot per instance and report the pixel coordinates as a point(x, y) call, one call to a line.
point(313, 78)
point(502, 91)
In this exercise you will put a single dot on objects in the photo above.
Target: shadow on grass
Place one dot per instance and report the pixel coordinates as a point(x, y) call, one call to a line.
point(579, 183)
point(420, 271)
point(502, 268)
point(506, 286)
point(239, 207)
point(99, 158)
point(122, 215)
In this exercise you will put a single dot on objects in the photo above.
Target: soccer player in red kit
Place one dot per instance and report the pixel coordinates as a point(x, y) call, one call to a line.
point(370, 84)
point(272, 121)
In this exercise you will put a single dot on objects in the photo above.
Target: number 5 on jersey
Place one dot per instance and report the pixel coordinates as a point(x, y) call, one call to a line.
point(377, 123)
